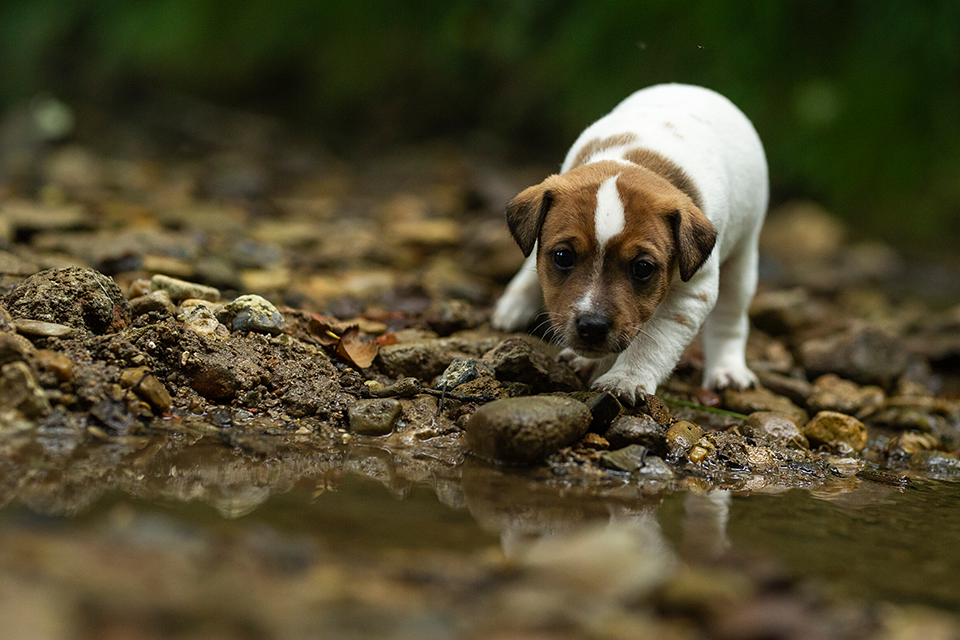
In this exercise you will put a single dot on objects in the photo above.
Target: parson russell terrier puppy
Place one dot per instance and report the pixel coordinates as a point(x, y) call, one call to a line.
point(648, 233)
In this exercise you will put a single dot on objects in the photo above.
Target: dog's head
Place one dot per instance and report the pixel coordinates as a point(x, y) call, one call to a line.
point(609, 237)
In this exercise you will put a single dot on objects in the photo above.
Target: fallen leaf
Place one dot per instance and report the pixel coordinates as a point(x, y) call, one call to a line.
point(322, 330)
point(355, 350)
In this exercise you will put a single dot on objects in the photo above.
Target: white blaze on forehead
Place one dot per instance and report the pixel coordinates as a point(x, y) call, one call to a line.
point(609, 218)
point(585, 303)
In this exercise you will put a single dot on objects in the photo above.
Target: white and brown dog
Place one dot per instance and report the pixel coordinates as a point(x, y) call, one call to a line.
point(648, 233)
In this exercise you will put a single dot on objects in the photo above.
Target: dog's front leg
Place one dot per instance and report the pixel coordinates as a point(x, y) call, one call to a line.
point(654, 353)
point(522, 299)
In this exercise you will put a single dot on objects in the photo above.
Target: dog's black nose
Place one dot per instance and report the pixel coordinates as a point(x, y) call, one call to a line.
point(592, 328)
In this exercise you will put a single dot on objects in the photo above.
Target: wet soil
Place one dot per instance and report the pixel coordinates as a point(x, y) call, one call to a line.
point(235, 456)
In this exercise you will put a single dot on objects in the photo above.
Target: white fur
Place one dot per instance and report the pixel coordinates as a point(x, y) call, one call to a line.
point(718, 148)
point(609, 218)
point(584, 304)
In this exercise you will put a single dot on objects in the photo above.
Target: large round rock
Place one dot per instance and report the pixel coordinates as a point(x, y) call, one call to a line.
point(77, 297)
point(525, 430)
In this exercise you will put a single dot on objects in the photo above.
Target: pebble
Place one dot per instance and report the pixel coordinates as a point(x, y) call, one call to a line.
point(914, 413)
point(20, 392)
point(906, 418)
point(682, 436)
point(132, 376)
point(866, 355)
point(6, 322)
point(452, 316)
point(14, 347)
point(838, 431)
point(154, 393)
point(797, 389)
point(630, 458)
point(42, 329)
point(519, 360)
point(701, 450)
point(138, 287)
point(147, 386)
point(785, 312)
point(182, 289)
point(11, 264)
point(832, 393)
point(912, 442)
point(759, 399)
point(190, 304)
point(154, 301)
point(213, 378)
point(373, 417)
point(656, 469)
point(758, 457)
point(402, 388)
point(78, 297)
point(802, 232)
point(30, 216)
point(605, 408)
point(56, 362)
point(460, 371)
point(252, 313)
point(525, 430)
point(594, 441)
point(775, 426)
point(637, 430)
point(658, 410)
point(426, 358)
point(202, 321)
point(937, 462)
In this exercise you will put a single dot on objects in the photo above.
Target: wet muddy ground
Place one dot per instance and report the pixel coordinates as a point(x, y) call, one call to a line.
point(249, 390)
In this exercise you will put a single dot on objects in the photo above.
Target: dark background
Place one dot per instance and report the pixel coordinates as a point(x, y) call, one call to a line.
point(858, 102)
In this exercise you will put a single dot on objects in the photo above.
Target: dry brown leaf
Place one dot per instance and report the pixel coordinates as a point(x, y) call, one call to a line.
point(323, 330)
point(355, 351)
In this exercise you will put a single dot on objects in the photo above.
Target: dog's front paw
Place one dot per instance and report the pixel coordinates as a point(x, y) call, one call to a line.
point(585, 368)
point(513, 313)
point(626, 386)
point(738, 377)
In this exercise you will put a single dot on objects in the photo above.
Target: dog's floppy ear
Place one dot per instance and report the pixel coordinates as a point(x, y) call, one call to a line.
point(694, 236)
point(525, 215)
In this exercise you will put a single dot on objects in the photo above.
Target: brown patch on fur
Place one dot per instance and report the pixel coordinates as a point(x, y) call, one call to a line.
point(679, 318)
point(649, 201)
point(662, 226)
point(597, 145)
point(667, 169)
point(525, 215)
point(702, 297)
point(695, 237)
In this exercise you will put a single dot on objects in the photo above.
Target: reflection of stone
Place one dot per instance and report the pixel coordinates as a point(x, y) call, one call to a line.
point(20, 392)
point(236, 501)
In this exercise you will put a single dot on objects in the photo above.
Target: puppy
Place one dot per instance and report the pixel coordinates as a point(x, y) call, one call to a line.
point(648, 233)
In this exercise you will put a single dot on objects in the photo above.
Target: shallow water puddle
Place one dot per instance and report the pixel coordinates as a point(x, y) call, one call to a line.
point(265, 549)
point(874, 543)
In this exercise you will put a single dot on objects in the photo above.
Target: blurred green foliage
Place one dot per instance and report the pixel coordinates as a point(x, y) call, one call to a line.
point(858, 101)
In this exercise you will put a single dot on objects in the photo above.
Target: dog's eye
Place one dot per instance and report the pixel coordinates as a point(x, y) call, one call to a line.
point(564, 259)
point(641, 270)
